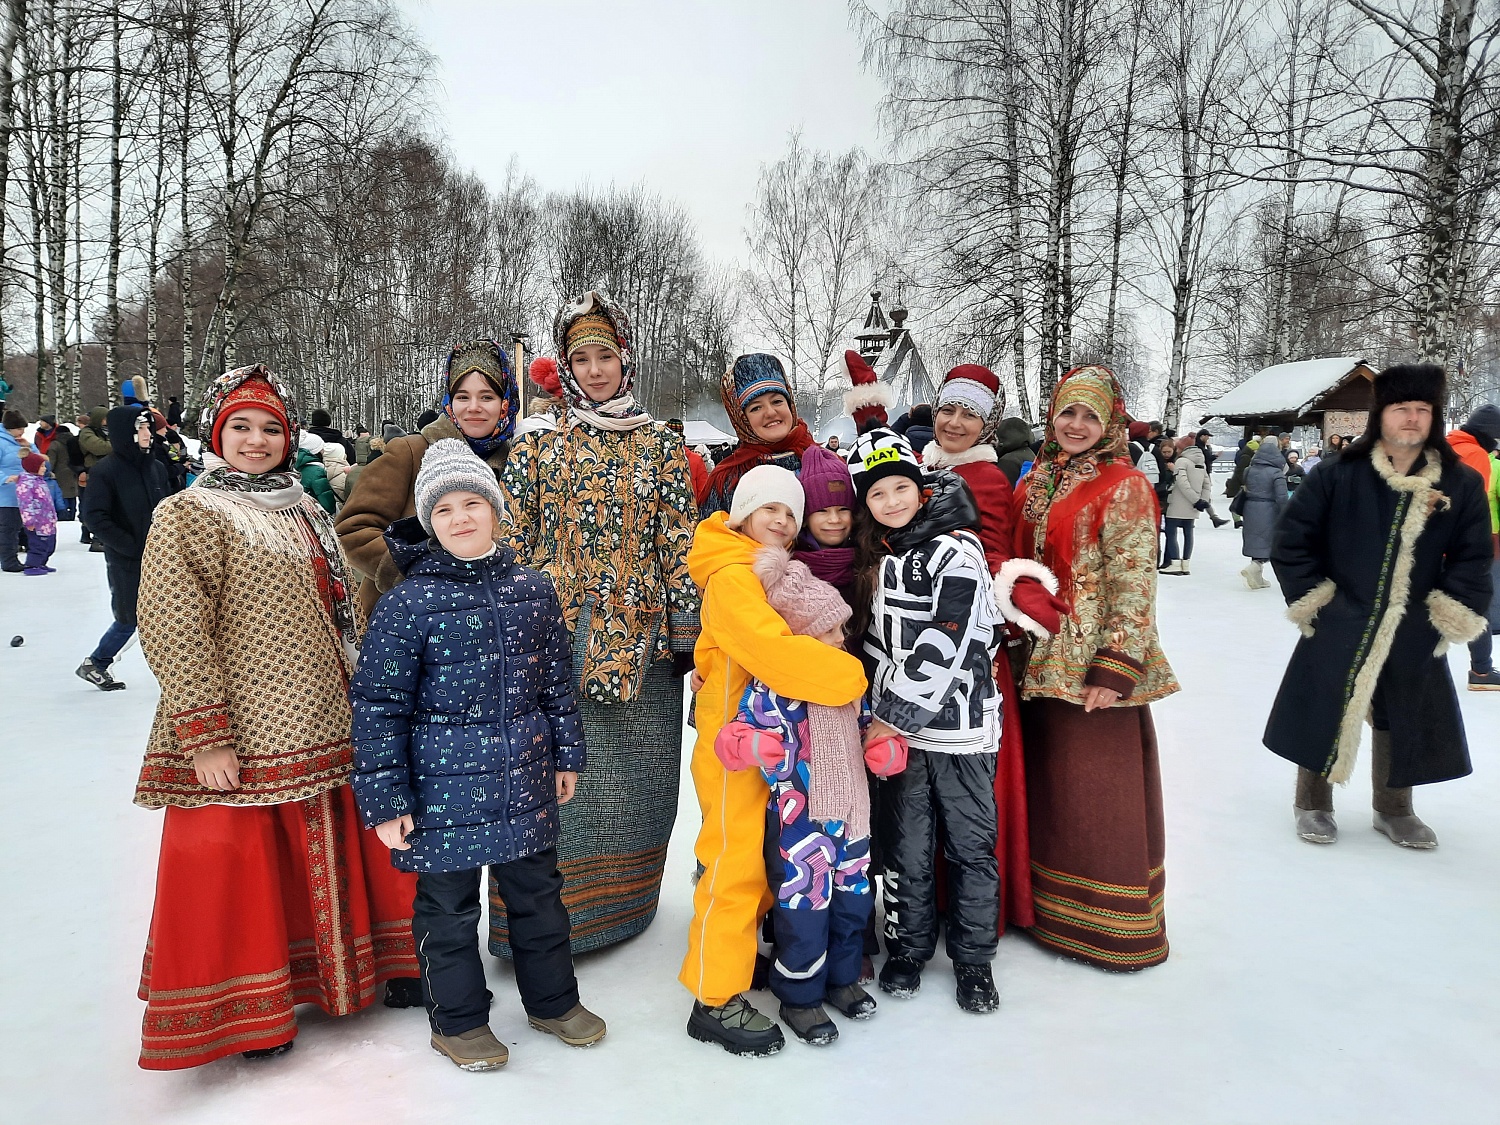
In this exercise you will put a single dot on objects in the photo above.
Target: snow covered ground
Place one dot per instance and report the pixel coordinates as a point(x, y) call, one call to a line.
point(1354, 983)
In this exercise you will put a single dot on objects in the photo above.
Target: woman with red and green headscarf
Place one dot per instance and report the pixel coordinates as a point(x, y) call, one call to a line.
point(1092, 778)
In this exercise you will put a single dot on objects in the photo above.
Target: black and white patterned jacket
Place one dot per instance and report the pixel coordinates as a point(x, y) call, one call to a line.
point(935, 629)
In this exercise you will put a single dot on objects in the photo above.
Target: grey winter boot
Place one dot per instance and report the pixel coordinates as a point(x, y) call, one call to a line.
point(475, 1049)
point(1254, 575)
point(1314, 808)
point(1393, 810)
point(578, 1027)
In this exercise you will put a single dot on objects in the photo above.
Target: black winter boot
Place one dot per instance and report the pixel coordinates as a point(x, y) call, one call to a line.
point(811, 1025)
point(901, 976)
point(737, 1027)
point(852, 1002)
point(269, 1052)
point(976, 988)
point(403, 992)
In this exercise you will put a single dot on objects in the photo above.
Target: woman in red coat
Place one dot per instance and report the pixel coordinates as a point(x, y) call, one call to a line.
point(967, 412)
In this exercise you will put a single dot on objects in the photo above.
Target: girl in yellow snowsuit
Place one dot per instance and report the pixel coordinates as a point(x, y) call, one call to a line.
point(742, 638)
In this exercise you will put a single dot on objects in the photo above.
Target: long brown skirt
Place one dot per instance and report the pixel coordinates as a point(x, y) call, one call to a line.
point(1093, 788)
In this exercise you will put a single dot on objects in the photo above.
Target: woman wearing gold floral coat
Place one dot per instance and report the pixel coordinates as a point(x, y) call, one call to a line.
point(1092, 778)
point(600, 499)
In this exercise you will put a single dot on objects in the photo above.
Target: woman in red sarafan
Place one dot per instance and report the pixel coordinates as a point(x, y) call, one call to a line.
point(968, 411)
point(268, 892)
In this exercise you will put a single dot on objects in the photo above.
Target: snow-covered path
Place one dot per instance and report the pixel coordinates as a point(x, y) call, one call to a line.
point(1355, 983)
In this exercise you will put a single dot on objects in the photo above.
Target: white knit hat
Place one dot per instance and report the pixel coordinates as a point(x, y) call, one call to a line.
point(762, 485)
point(450, 466)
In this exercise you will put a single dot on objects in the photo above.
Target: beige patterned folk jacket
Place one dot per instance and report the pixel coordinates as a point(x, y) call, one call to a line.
point(1114, 607)
point(246, 657)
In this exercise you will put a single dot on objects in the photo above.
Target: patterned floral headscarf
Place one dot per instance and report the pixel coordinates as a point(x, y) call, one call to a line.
point(259, 504)
point(249, 386)
point(491, 361)
point(592, 312)
point(1058, 472)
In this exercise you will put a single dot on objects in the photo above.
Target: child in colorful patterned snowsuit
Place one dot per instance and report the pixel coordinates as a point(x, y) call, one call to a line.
point(38, 516)
point(814, 761)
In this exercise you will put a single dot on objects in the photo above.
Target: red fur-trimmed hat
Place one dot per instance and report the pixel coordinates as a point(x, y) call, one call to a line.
point(866, 400)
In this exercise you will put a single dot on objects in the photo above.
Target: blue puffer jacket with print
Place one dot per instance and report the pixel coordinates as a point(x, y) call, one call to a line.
point(463, 707)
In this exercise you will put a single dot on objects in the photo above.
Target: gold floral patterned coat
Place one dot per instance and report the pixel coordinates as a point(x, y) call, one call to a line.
point(1110, 637)
point(609, 516)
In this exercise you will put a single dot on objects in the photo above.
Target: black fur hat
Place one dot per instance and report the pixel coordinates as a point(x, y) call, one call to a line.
point(1412, 382)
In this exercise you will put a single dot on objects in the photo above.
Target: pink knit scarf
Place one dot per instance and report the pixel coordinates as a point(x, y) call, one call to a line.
point(836, 771)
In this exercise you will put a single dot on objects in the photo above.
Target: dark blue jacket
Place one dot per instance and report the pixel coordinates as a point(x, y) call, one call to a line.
point(463, 707)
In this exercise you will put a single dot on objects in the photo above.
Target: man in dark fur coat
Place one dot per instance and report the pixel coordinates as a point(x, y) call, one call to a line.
point(1383, 557)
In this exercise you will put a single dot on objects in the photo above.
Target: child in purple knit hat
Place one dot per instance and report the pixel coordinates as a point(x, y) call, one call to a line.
point(814, 759)
point(824, 543)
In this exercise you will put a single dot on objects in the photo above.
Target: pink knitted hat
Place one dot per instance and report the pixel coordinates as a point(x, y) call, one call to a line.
point(809, 606)
point(825, 478)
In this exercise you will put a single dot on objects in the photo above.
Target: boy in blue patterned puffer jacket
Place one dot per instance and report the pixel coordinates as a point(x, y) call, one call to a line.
point(467, 738)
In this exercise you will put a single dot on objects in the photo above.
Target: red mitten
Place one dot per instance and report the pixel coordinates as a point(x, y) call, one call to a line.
point(1044, 608)
point(886, 757)
point(741, 746)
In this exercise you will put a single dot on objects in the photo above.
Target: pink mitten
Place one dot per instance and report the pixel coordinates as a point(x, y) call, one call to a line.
point(886, 756)
point(741, 746)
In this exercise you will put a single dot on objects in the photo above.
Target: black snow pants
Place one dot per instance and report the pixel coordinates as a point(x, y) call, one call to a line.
point(445, 924)
point(956, 792)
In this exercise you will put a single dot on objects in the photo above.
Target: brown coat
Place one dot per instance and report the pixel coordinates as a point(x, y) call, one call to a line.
point(246, 656)
point(384, 493)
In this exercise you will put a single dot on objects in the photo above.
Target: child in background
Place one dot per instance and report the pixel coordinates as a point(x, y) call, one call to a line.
point(824, 543)
point(743, 638)
point(814, 759)
point(38, 515)
point(931, 629)
point(467, 738)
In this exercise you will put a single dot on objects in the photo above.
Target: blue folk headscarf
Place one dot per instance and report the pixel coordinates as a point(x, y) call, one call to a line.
point(489, 359)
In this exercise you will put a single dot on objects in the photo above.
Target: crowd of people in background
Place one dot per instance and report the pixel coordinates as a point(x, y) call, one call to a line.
point(921, 664)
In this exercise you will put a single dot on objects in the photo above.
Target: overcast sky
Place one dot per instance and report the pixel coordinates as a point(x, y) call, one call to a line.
point(689, 97)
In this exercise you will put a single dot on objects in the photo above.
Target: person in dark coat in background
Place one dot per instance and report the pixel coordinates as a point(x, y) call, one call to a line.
point(1296, 472)
point(1265, 496)
point(1013, 447)
point(916, 426)
point(1205, 441)
point(467, 739)
point(93, 443)
point(1384, 560)
point(174, 412)
point(60, 459)
point(322, 425)
point(168, 447)
point(123, 490)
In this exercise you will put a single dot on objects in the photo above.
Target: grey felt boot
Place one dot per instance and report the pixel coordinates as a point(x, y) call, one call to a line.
point(1393, 810)
point(1314, 808)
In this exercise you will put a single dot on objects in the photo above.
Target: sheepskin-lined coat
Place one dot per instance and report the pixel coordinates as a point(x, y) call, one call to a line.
point(1381, 572)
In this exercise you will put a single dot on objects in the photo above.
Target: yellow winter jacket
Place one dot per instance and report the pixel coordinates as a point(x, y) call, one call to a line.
point(742, 637)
